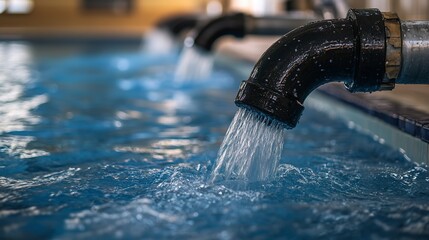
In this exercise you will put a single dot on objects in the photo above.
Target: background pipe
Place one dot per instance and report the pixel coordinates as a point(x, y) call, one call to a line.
point(206, 35)
point(178, 24)
point(240, 25)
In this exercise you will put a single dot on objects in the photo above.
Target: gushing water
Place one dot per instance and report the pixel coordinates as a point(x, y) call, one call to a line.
point(251, 149)
point(193, 65)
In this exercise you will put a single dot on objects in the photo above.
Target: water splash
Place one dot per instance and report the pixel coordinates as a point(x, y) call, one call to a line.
point(194, 64)
point(251, 149)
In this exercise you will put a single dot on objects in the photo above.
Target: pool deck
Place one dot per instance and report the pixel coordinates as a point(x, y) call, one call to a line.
point(405, 110)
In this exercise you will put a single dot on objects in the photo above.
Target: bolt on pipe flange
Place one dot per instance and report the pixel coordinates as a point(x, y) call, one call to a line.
point(392, 25)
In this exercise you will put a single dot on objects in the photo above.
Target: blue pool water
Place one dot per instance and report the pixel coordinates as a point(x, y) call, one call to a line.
point(97, 141)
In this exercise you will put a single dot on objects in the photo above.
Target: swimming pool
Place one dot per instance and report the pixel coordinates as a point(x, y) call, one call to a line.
point(97, 141)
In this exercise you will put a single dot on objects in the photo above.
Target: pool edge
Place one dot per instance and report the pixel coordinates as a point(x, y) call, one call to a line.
point(413, 148)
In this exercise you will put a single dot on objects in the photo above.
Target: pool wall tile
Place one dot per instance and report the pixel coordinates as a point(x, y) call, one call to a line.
point(408, 120)
point(412, 147)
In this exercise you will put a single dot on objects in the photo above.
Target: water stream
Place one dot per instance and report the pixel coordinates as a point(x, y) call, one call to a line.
point(193, 65)
point(251, 149)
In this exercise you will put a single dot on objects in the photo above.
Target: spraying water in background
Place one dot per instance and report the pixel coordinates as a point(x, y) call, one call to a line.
point(194, 64)
point(251, 149)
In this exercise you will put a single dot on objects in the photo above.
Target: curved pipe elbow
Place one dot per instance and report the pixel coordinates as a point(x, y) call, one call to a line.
point(205, 36)
point(239, 25)
point(178, 24)
point(351, 50)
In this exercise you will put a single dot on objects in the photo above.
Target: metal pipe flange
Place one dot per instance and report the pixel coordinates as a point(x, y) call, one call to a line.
point(392, 25)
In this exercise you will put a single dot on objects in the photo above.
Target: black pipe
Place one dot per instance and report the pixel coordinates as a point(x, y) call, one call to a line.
point(178, 24)
point(207, 34)
point(240, 25)
point(352, 50)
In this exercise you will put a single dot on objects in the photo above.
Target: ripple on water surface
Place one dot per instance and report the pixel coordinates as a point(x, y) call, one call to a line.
point(103, 146)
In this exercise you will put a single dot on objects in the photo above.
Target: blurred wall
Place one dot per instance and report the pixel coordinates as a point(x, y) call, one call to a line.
point(406, 9)
point(68, 15)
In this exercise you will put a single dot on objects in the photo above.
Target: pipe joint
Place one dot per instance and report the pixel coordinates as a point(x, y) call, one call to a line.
point(393, 49)
point(370, 50)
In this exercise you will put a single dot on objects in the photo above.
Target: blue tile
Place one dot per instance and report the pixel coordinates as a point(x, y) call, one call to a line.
point(424, 133)
point(408, 125)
